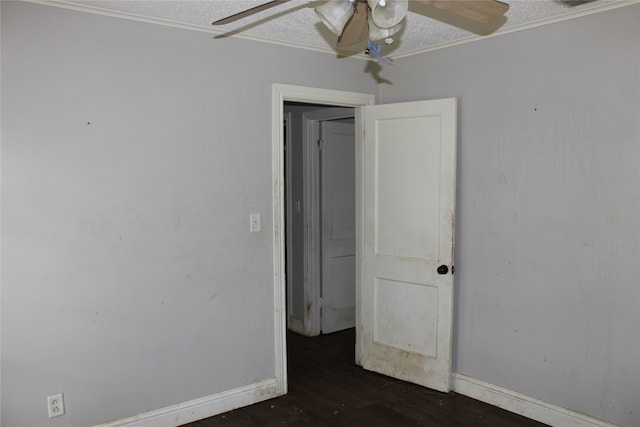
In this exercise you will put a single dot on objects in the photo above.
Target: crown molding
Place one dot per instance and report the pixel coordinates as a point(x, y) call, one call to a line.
point(63, 4)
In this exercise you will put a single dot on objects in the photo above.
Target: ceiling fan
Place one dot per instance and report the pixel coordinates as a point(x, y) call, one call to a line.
point(354, 21)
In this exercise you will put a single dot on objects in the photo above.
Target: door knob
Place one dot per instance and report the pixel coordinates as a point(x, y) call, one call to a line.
point(443, 269)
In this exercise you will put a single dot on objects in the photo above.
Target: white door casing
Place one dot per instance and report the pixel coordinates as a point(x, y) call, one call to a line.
point(279, 95)
point(406, 233)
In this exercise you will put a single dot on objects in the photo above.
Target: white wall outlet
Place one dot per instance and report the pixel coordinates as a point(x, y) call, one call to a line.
point(254, 222)
point(55, 402)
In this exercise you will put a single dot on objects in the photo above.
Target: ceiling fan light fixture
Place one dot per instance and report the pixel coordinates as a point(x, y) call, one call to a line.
point(388, 13)
point(335, 14)
point(353, 21)
point(378, 33)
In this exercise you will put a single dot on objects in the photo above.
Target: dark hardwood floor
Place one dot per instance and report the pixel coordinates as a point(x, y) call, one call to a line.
point(326, 388)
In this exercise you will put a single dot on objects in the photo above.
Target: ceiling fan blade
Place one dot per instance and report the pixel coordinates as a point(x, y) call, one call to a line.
point(357, 28)
point(485, 11)
point(248, 12)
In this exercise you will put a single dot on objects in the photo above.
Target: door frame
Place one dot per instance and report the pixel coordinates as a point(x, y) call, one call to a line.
point(280, 94)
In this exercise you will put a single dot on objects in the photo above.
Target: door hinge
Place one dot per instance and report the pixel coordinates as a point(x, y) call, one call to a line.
point(320, 139)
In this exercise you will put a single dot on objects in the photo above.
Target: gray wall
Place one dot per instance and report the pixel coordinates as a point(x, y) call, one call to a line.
point(132, 156)
point(126, 256)
point(548, 226)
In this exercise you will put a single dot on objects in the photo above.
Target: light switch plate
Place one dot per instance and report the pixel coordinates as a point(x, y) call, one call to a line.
point(254, 223)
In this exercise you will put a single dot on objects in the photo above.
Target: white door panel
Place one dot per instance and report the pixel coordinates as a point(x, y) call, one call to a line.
point(403, 188)
point(408, 197)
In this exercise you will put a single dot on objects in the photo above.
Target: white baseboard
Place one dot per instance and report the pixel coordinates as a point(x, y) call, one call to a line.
point(215, 404)
point(527, 406)
point(203, 407)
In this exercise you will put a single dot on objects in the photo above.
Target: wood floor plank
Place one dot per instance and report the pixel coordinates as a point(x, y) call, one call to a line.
point(326, 388)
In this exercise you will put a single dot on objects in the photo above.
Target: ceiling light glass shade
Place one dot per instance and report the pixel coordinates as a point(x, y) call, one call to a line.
point(335, 14)
point(377, 33)
point(388, 13)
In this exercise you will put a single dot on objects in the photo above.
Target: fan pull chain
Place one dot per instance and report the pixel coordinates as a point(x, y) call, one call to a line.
point(375, 50)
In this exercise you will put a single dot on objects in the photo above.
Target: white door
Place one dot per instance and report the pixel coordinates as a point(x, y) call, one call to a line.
point(406, 259)
point(338, 197)
point(335, 169)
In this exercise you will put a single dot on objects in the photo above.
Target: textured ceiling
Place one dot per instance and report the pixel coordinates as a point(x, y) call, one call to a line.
point(295, 23)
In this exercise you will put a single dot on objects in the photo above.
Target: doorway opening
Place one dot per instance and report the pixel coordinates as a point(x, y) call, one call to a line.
point(295, 96)
point(319, 158)
point(319, 153)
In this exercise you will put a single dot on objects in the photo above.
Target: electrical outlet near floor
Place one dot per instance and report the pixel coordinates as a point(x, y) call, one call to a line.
point(55, 402)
